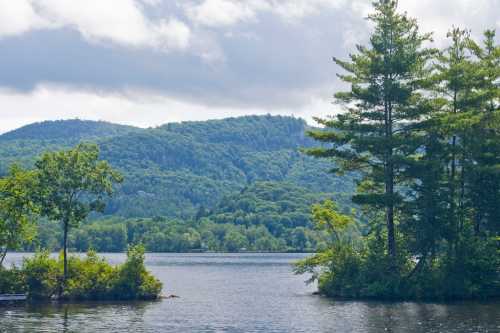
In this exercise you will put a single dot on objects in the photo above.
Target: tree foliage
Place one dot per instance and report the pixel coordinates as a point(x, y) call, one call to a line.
point(17, 209)
point(72, 184)
point(421, 128)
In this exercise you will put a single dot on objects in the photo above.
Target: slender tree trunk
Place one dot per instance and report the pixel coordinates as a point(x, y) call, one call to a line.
point(453, 209)
point(391, 241)
point(62, 283)
point(452, 179)
point(477, 223)
point(389, 185)
point(461, 203)
point(4, 253)
point(418, 266)
point(65, 248)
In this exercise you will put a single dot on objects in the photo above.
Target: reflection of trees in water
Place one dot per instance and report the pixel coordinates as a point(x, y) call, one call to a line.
point(65, 320)
point(414, 317)
point(317, 313)
point(401, 316)
point(386, 317)
point(408, 317)
point(85, 317)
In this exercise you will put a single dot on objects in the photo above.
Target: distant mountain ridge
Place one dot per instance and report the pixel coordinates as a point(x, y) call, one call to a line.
point(175, 169)
point(73, 128)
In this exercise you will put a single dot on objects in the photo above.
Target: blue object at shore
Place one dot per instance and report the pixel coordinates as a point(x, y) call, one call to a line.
point(12, 297)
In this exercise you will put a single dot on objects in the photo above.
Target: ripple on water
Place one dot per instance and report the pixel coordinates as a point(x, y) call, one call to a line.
point(244, 293)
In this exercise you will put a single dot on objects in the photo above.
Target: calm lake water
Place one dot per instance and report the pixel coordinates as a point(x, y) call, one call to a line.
point(244, 293)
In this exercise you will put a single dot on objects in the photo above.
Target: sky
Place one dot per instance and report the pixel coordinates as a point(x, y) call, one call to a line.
point(149, 62)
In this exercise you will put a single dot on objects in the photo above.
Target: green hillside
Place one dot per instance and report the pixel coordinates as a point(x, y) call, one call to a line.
point(60, 130)
point(24, 144)
point(176, 169)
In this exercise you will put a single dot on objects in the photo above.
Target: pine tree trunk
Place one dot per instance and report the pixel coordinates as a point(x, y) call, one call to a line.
point(453, 208)
point(461, 203)
point(391, 241)
point(477, 224)
point(389, 185)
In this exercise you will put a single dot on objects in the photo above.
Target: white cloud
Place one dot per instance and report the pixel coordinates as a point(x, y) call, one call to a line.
point(220, 12)
point(440, 16)
point(17, 17)
point(138, 108)
point(217, 13)
point(170, 34)
point(298, 9)
point(432, 16)
point(119, 21)
point(151, 2)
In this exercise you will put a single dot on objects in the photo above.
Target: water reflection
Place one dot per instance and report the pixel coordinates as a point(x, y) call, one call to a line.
point(244, 293)
point(72, 317)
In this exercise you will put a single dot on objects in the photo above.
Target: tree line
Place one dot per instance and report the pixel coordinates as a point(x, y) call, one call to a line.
point(263, 217)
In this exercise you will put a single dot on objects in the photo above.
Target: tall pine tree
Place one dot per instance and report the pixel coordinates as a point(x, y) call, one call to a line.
point(484, 180)
point(374, 135)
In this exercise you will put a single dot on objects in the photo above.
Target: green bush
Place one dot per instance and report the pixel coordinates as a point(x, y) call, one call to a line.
point(132, 281)
point(41, 276)
point(474, 271)
point(89, 278)
point(341, 277)
point(11, 281)
point(92, 278)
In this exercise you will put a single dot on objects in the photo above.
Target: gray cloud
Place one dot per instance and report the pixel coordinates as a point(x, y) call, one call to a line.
point(275, 55)
point(270, 63)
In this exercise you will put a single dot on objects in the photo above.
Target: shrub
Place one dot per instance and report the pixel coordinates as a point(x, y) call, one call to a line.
point(11, 281)
point(89, 278)
point(42, 276)
point(133, 280)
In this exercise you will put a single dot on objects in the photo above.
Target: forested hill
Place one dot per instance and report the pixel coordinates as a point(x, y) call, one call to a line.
point(74, 129)
point(177, 169)
point(22, 145)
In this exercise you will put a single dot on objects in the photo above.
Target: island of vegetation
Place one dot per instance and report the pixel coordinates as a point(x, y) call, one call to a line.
point(65, 186)
point(421, 128)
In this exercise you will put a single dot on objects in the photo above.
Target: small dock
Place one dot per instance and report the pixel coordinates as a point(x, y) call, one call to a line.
point(12, 298)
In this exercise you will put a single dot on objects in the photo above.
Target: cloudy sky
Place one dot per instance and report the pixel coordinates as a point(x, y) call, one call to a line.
point(147, 62)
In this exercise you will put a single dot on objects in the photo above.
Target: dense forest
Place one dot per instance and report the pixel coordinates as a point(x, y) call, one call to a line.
point(265, 216)
point(422, 128)
point(175, 169)
point(222, 185)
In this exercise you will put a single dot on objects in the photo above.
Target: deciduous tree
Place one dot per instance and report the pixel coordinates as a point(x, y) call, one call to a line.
point(16, 209)
point(72, 184)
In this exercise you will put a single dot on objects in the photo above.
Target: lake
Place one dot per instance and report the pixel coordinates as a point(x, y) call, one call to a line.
point(244, 293)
